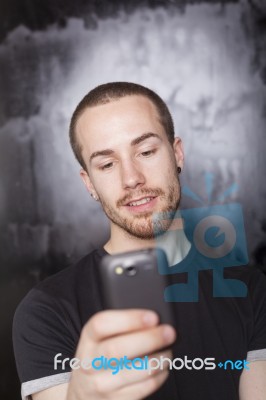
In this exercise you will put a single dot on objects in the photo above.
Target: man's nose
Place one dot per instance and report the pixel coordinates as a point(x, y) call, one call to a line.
point(131, 174)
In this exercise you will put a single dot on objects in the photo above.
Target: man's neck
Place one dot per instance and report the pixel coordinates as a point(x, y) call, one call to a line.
point(121, 241)
point(174, 242)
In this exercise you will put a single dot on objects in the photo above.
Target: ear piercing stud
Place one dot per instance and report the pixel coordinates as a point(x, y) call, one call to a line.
point(96, 198)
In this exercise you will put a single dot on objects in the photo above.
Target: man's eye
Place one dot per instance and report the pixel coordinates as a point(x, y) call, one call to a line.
point(106, 166)
point(148, 153)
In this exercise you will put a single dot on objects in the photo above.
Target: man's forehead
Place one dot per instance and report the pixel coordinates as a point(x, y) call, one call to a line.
point(128, 111)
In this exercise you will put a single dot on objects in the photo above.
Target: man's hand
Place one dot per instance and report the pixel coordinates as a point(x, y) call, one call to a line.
point(131, 333)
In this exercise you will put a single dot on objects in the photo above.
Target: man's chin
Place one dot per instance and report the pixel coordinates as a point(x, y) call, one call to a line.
point(145, 215)
point(140, 226)
point(147, 229)
point(143, 225)
point(140, 233)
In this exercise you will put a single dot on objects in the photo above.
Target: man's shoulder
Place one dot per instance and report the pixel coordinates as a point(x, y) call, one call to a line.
point(50, 317)
point(69, 286)
point(72, 274)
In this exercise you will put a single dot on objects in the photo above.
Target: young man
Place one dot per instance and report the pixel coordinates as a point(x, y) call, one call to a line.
point(123, 136)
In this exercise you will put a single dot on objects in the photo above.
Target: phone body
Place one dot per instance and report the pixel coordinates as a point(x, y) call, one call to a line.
point(132, 280)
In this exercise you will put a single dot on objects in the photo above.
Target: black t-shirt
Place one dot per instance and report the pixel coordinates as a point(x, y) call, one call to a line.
point(50, 318)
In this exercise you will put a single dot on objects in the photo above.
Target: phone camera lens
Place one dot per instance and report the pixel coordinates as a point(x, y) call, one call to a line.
point(131, 271)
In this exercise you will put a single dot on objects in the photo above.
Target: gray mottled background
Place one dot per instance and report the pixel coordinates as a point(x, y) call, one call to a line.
point(206, 59)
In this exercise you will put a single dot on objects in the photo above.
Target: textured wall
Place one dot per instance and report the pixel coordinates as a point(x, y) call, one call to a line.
point(206, 60)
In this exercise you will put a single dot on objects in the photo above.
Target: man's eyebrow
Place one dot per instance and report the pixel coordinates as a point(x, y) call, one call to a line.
point(144, 137)
point(134, 142)
point(106, 152)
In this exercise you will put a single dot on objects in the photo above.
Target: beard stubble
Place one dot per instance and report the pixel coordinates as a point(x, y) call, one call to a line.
point(147, 225)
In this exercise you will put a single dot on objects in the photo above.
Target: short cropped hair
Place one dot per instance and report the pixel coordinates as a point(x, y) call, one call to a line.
point(113, 91)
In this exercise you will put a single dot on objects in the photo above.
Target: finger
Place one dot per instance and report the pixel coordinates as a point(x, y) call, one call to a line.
point(113, 322)
point(142, 389)
point(136, 344)
point(105, 384)
point(118, 376)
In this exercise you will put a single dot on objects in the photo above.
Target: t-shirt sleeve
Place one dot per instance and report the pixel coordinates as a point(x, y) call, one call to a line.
point(40, 331)
point(257, 345)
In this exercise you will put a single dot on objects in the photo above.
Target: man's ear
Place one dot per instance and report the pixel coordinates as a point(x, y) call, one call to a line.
point(178, 151)
point(88, 183)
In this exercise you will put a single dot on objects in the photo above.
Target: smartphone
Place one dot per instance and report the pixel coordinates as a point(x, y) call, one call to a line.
point(132, 280)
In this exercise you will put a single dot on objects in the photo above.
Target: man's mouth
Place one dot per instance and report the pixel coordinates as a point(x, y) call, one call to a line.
point(140, 201)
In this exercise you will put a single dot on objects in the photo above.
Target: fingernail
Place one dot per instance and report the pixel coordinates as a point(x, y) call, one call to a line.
point(169, 334)
point(150, 318)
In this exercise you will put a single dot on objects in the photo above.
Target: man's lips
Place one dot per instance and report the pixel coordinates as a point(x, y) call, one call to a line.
point(138, 196)
point(142, 204)
point(140, 200)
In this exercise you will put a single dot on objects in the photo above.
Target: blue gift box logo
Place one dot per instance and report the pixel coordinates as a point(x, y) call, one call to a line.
point(217, 237)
